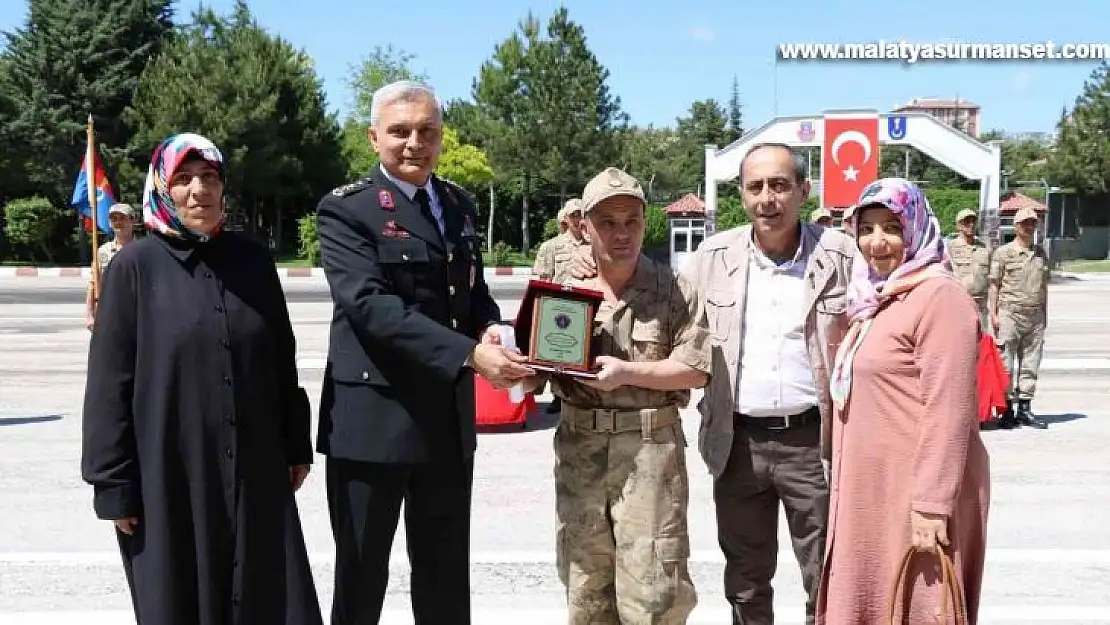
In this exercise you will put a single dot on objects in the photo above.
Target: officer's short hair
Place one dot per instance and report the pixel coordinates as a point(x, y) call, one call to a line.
point(402, 91)
point(800, 165)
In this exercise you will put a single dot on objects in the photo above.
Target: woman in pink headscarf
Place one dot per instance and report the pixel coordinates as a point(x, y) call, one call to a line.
point(908, 467)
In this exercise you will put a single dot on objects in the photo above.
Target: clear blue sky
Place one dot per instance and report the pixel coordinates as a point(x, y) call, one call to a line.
point(664, 54)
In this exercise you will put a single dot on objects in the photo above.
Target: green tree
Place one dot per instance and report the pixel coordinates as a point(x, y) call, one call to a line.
point(259, 100)
point(735, 116)
point(547, 113)
point(69, 59)
point(30, 223)
point(1081, 159)
point(706, 123)
point(463, 164)
point(375, 70)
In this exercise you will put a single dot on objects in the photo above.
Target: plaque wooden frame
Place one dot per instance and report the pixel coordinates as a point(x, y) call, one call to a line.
point(527, 325)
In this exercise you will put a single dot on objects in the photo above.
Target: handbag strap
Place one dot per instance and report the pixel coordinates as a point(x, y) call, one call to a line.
point(951, 590)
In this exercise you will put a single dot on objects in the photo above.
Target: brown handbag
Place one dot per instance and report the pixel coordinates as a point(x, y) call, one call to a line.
point(951, 590)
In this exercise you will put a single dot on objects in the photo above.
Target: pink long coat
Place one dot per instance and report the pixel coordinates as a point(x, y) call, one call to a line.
point(908, 440)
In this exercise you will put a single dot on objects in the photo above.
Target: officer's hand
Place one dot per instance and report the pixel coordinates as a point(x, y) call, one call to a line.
point(613, 374)
point(502, 367)
point(127, 525)
point(994, 322)
point(582, 264)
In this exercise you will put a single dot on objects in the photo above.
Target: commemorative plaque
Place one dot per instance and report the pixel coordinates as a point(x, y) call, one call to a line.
point(555, 328)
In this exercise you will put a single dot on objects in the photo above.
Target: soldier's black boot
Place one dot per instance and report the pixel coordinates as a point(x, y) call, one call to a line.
point(1025, 416)
point(1007, 420)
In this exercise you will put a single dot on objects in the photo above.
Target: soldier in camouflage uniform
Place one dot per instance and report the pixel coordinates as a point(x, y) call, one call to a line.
point(122, 218)
point(555, 253)
point(971, 263)
point(1018, 303)
point(846, 221)
point(821, 217)
point(621, 480)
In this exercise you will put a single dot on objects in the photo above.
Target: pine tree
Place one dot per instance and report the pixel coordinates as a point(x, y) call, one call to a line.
point(72, 58)
point(735, 118)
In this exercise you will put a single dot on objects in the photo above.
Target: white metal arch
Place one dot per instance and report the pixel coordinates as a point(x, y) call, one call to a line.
point(961, 152)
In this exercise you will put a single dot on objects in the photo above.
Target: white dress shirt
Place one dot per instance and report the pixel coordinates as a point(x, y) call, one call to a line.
point(776, 378)
point(409, 190)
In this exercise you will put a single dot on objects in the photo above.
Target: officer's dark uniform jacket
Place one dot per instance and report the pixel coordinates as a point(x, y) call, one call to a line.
point(409, 307)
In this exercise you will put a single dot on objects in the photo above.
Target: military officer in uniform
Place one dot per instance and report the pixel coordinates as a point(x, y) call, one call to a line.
point(821, 217)
point(413, 322)
point(554, 254)
point(122, 218)
point(1018, 300)
point(622, 489)
point(971, 263)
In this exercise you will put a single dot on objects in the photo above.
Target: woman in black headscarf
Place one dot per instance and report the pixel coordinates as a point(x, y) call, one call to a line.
point(196, 431)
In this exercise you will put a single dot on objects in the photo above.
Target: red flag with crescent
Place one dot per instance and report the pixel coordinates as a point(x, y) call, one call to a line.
point(849, 158)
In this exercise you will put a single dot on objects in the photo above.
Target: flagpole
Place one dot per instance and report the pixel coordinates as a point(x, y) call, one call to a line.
point(90, 181)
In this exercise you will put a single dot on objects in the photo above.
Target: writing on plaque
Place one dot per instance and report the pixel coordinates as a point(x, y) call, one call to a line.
point(563, 335)
point(554, 328)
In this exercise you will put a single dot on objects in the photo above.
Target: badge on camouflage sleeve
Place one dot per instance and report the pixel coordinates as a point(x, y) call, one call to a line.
point(385, 200)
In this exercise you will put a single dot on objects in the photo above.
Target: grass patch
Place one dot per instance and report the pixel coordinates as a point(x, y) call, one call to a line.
point(508, 259)
point(1086, 266)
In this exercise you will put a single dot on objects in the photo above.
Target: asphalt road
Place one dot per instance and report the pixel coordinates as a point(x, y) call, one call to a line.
point(1048, 558)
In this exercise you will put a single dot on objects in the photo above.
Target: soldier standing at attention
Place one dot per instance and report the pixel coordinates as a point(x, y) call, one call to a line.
point(846, 221)
point(971, 263)
point(1019, 312)
point(122, 218)
point(622, 488)
point(555, 253)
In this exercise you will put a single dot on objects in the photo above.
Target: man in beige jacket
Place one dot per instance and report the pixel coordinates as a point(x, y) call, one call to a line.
point(775, 294)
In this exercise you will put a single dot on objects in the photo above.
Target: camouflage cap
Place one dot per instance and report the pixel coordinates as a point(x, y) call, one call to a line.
point(610, 183)
point(1024, 214)
point(965, 213)
point(820, 213)
point(122, 209)
point(573, 205)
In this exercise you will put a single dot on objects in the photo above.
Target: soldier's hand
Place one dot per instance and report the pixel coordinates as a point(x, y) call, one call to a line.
point(613, 374)
point(502, 367)
point(492, 335)
point(582, 264)
point(994, 322)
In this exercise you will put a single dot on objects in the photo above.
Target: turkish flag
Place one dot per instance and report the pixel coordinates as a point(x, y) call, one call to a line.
point(849, 158)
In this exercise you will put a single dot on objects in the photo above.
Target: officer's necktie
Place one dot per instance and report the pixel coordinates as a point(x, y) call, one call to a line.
point(425, 202)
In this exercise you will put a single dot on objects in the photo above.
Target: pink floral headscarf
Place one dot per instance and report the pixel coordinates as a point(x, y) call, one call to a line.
point(925, 257)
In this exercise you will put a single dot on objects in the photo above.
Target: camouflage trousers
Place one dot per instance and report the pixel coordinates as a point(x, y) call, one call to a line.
point(1021, 333)
point(622, 544)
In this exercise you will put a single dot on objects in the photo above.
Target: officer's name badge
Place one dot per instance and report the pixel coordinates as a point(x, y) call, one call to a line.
point(385, 200)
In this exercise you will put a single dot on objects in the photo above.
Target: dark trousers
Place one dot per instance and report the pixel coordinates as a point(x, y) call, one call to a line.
point(764, 468)
point(364, 500)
